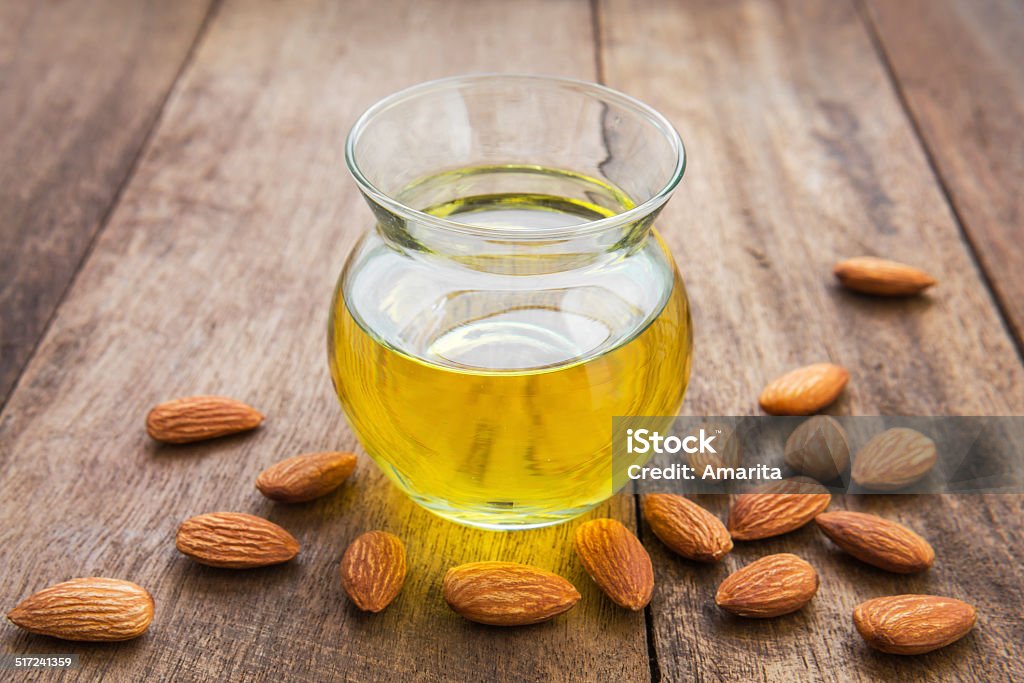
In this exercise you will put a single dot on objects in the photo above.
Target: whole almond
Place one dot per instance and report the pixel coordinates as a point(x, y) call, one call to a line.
point(507, 593)
point(877, 541)
point(769, 587)
point(92, 609)
point(686, 528)
point(913, 624)
point(235, 540)
point(373, 570)
point(819, 448)
point(882, 277)
point(805, 390)
point(616, 561)
point(305, 477)
point(197, 418)
point(776, 508)
point(894, 459)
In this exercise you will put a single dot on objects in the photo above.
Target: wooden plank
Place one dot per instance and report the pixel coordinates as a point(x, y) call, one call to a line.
point(214, 275)
point(958, 67)
point(800, 154)
point(83, 83)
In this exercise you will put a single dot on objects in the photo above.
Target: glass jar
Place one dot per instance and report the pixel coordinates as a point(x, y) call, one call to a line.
point(513, 295)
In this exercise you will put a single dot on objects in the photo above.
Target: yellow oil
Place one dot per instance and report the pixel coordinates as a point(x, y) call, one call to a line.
point(503, 447)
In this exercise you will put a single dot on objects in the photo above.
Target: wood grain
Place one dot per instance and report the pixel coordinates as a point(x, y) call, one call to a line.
point(799, 155)
point(83, 83)
point(958, 67)
point(215, 270)
point(214, 275)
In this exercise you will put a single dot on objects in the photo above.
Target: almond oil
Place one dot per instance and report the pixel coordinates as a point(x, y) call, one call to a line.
point(484, 385)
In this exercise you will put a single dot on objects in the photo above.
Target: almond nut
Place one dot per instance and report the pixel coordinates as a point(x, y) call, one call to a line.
point(302, 478)
point(877, 541)
point(197, 418)
point(769, 587)
point(894, 459)
point(507, 593)
point(373, 570)
point(776, 508)
point(913, 624)
point(92, 609)
point(616, 561)
point(805, 390)
point(819, 448)
point(235, 540)
point(686, 528)
point(882, 277)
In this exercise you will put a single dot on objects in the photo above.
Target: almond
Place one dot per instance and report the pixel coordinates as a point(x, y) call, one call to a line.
point(197, 418)
point(616, 561)
point(305, 477)
point(805, 390)
point(92, 609)
point(883, 277)
point(686, 528)
point(877, 541)
point(507, 593)
point(776, 508)
point(819, 448)
point(770, 587)
point(894, 459)
point(235, 540)
point(913, 624)
point(373, 570)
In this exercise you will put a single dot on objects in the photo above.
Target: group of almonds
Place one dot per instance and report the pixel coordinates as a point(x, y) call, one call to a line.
point(373, 567)
point(104, 609)
point(508, 594)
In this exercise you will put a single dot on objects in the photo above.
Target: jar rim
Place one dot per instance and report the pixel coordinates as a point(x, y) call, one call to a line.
point(632, 215)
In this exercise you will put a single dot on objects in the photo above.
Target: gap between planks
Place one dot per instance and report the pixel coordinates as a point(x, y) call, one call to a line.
point(115, 200)
point(970, 245)
point(649, 634)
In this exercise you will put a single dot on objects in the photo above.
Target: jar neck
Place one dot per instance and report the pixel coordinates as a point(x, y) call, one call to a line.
point(505, 253)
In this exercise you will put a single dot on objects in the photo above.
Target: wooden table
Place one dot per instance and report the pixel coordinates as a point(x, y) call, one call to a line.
point(174, 210)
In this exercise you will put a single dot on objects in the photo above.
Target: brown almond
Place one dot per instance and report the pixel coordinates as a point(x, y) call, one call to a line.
point(302, 478)
point(882, 277)
point(91, 609)
point(617, 562)
point(776, 508)
point(894, 459)
point(507, 593)
point(805, 390)
point(877, 541)
point(197, 418)
point(373, 570)
point(686, 527)
point(913, 624)
point(235, 540)
point(769, 587)
point(819, 448)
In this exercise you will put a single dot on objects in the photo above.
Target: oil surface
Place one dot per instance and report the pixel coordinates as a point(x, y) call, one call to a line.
point(495, 409)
